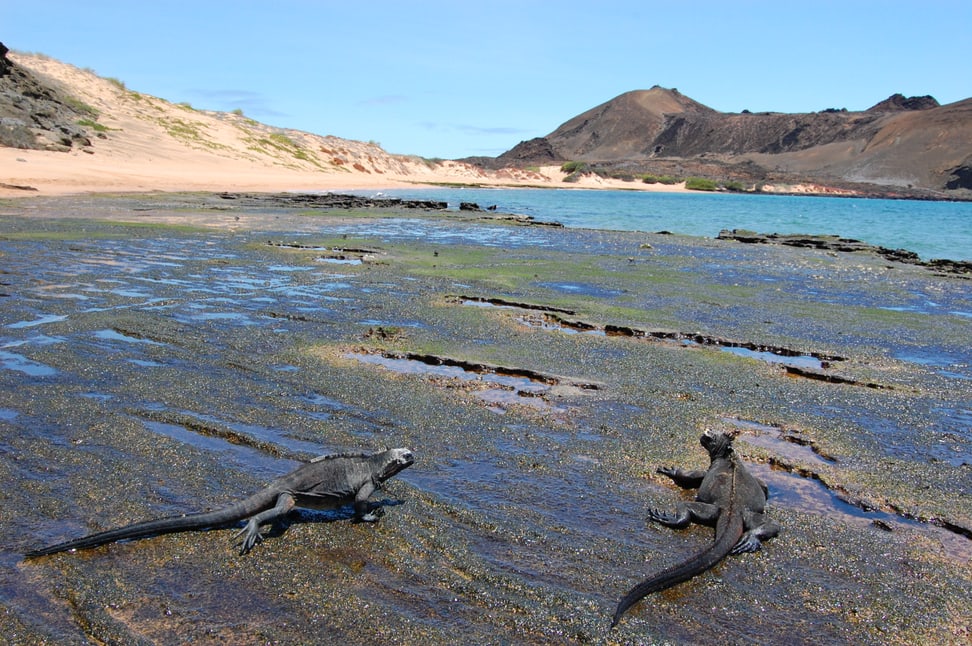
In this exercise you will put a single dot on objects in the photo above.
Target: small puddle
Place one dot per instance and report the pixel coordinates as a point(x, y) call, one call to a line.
point(265, 439)
point(942, 363)
point(584, 289)
point(115, 335)
point(790, 359)
point(330, 406)
point(44, 320)
point(241, 454)
point(368, 424)
point(797, 361)
point(144, 363)
point(509, 385)
point(20, 363)
point(340, 260)
point(773, 438)
point(810, 495)
point(240, 317)
point(955, 435)
point(335, 255)
point(288, 268)
point(500, 399)
point(553, 323)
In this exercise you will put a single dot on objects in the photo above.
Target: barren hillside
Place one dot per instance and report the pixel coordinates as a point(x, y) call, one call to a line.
point(900, 143)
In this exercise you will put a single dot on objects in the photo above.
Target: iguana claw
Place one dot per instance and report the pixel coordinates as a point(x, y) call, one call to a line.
point(251, 536)
point(372, 516)
point(748, 543)
point(661, 516)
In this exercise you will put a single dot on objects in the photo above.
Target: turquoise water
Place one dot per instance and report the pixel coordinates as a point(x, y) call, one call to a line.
point(930, 229)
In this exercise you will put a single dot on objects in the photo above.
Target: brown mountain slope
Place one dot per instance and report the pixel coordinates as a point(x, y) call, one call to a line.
point(900, 142)
point(622, 127)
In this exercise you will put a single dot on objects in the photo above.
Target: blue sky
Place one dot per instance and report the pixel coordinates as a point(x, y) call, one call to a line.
point(454, 79)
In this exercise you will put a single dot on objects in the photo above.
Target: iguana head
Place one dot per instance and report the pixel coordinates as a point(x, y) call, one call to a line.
point(718, 444)
point(392, 461)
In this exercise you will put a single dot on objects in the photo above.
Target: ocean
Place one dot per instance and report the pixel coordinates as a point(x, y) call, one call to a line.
point(930, 229)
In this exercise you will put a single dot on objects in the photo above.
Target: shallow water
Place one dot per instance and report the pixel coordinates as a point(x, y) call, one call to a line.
point(930, 229)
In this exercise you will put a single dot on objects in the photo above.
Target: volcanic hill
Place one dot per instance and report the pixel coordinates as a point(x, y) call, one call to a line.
point(902, 146)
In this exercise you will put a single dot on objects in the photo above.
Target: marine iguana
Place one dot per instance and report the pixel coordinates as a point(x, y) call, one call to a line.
point(326, 482)
point(729, 498)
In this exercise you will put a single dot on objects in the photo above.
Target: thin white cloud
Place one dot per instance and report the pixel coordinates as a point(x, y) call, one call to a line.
point(489, 130)
point(469, 129)
point(253, 104)
point(387, 99)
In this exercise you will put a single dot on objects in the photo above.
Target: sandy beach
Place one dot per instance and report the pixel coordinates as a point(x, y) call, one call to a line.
point(144, 143)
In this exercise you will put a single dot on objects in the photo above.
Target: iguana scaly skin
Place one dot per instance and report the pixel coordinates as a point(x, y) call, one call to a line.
point(327, 482)
point(729, 498)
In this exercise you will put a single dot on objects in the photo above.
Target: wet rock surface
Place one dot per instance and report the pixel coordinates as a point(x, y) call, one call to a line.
point(330, 201)
point(158, 356)
point(846, 245)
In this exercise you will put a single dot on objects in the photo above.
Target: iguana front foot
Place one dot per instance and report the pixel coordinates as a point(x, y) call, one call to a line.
point(670, 520)
point(372, 516)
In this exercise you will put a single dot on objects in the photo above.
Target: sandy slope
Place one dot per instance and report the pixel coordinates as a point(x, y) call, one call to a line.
point(144, 143)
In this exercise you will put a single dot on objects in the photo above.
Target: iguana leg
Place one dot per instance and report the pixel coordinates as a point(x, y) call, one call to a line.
point(681, 477)
point(686, 513)
point(362, 508)
point(251, 533)
point(758, 529)
point(762, 485)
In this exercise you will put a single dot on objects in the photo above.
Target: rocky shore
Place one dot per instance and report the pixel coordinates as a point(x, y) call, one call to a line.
point(168, 353)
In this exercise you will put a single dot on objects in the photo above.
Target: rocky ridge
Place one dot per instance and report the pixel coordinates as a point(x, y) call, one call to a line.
point(906, 145)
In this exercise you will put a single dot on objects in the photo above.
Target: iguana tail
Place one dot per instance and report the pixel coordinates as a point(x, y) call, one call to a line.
point(729, 529)
point(234, 512)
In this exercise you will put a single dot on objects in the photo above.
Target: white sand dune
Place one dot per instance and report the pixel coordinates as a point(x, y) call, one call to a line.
point(144, 143)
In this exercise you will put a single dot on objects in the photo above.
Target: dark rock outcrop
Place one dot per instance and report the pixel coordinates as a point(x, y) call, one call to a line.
point(332, 201)
point(36, 115)
point(960, 176)
point(899, 102)
point(4, 63)
point(847, 245)
point(537, 151)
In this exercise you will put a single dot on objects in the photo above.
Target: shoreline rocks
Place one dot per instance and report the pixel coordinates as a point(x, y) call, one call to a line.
point(847, 245)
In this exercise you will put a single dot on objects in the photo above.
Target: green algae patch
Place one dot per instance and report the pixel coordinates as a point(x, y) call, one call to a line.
point(163, 227)
point(100, 229)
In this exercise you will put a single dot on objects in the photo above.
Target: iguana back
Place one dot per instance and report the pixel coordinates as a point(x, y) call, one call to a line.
point(729, 498)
